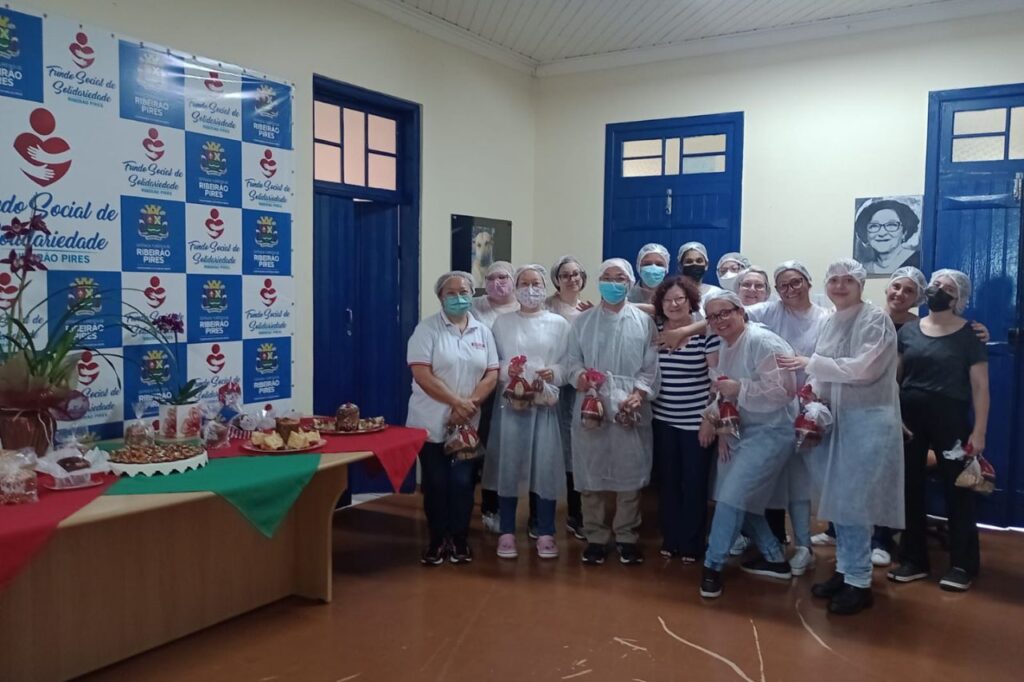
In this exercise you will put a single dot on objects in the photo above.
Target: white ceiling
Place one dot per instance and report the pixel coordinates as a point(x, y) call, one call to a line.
point(558, 36)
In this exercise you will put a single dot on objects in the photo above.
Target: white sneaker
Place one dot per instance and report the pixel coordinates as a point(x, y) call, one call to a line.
point(879, 557)
point(492, 523)
point(740, 546)
point(822, 540)
point(801, 561)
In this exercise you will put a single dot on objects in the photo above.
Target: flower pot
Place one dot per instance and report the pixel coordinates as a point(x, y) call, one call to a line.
point(27, 429)
point(179, 422)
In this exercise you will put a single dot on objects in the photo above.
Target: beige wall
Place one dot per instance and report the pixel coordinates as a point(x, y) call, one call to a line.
point(825, 122)
point(478, 133)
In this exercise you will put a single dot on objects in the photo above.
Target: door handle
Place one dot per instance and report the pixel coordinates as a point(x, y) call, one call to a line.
point(350, 318)
point(668, 201)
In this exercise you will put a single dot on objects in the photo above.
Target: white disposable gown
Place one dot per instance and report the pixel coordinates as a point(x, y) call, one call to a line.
point(524, 449)
point(487, 312)
point(767, 406)
point(621, 345)
point(859, 465)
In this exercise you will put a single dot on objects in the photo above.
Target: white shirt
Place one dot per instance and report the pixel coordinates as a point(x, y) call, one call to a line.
point(458, 358)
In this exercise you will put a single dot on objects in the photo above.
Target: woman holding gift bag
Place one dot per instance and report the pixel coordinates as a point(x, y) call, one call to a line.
point(944, 375)
point(525, 447)
point(454, 365)
point(858, 467)
point(749, 466)
point(613, 360)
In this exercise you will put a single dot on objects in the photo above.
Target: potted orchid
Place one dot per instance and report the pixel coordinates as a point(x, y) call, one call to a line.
point(38, 382)
point(180, 414)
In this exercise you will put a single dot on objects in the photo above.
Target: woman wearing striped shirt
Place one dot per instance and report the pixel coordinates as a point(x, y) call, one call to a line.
point(682, 451)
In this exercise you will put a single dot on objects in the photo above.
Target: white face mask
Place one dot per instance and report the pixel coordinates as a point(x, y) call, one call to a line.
point(729, 280)
point(530, 297)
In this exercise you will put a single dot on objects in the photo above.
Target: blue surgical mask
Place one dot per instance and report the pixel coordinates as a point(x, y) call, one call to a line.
point(613, 293)
point(652, 275)
point(457, 304)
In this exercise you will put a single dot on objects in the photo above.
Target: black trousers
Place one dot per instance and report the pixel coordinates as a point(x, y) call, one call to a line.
point(937, 423)
point(447, 486)
point(683, 468)
point(777, 522)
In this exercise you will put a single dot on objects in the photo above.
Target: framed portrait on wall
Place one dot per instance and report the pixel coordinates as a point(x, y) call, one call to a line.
point(887, 233)
point(478, 242)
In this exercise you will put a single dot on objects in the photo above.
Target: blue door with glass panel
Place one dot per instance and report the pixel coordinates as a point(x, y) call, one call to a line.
point(973, 223)
point(672, 181)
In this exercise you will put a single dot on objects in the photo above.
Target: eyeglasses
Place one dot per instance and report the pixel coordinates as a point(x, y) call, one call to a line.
point(679, 301)
point(791, 285)
point(719, 317)
point(891, 228)
point(756, 286)
point(566, 276)
point(497, 276)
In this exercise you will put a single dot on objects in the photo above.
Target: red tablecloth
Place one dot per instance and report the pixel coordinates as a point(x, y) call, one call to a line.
point(396, 448)
point(25, 528)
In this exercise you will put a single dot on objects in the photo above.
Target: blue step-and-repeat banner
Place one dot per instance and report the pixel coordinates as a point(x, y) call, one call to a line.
point(167, 182)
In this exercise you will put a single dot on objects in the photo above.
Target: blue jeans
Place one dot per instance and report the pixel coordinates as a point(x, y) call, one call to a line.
point(853, 554)
point(800, 517)
point(725, 528)
point(447, 486)
point(545, 515)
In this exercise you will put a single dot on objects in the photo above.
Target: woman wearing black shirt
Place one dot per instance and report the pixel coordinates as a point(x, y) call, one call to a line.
point(944, 375)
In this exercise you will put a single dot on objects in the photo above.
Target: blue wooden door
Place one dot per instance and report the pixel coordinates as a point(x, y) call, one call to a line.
point(973, 197)
point(672, 181)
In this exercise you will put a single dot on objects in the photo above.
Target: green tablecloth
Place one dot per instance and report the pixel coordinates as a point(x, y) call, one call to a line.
point(262, 488)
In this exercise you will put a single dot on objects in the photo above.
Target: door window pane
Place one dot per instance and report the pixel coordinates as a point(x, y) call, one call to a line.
point(1017, 133)
point(382, 134)
point(326, 162)
point(672, 156)
point(980, 121)
point(636, 168)
point(327, 122)
point(703, 164)
point(704, 144)
point(978, 148)
point(382, 171)
point(355, 147)
point(635, 148)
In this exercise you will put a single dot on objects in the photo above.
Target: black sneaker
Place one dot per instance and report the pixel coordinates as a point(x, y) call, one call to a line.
point(531, 529)
point(630, 554)
point(574, 525)
point(906, 573)
point(828, 589)
point(770, 569)
point(594, 554)
point(850, 600)
point(710, 583)
point(459, 552)
point(434, 554)
point(956, 580)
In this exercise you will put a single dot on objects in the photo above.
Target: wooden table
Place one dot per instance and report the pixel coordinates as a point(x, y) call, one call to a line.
point(127, 573)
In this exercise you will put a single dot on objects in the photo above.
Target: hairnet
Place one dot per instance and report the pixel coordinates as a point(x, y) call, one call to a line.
point(847, 266)
point(915, 276)
point(721, 295)
point(556, 268)
point(963, 287)
point(691, 246)
point(539, 269)
point(792, 265)
point(753, 270)
point(448, 275)
point(618, 263)
point(500, 266)
point(735, 257)
point(652, 248)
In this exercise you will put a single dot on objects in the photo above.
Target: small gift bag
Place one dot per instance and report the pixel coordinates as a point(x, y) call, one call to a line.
point(811, 425)
point(544, 394)
point(591, 408)
point(519, 393)
point(978, 474)
point(18, 482)
point(462, 442)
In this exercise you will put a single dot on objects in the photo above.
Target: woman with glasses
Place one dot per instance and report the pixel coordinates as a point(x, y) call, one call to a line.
point(748, 467)
point(859, 465)
point(752, 286)
point(569, 278)
point(682, 440)
point(944, 379)
point(612, 452)
point(651, 266)
point(887, 237)
point(730, 266)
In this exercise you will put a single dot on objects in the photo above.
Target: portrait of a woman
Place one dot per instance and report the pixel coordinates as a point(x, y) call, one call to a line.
point(887, 234)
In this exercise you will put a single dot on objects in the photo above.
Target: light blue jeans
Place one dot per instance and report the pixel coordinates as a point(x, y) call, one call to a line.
point(853, 554)
point(800, 517)
point(725, 528)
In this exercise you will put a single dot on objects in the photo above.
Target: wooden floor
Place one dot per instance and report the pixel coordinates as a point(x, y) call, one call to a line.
point(528, 619)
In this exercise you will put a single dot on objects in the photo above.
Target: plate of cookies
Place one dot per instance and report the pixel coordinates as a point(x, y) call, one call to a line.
point(288, 437)
point(347, 422)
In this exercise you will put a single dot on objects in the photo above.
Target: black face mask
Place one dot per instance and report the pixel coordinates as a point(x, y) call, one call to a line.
point(695, 271)
point(938, 298)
